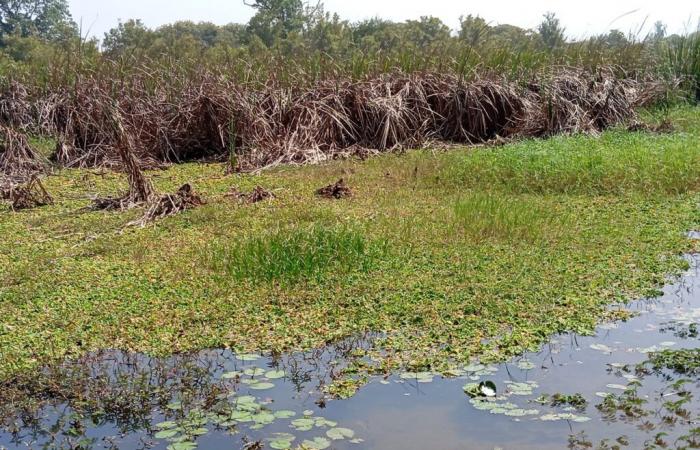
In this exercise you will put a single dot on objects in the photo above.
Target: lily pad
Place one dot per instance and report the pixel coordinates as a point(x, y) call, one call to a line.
point(274, 374)
point(182, 446)
point(280, 444)
point(338, 434)
point(303, 424)
point(231, 375)
point(262, 386)
point(166, 434)
point(248, 357)
point(285, 414)
point(323, 422)
point(319, 443)
point(254, 371)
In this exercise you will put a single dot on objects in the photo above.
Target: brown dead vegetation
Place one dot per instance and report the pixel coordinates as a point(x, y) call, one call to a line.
point(27, 195)
point(210, 117)
point(336, 190)
point(257, 195)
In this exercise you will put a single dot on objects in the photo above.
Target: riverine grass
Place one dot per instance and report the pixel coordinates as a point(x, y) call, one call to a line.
point(443, 255)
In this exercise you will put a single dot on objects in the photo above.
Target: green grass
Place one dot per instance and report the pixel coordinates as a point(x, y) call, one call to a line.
point(290, 255)
point(618, 163)
point(449, 255)
point(484, 215)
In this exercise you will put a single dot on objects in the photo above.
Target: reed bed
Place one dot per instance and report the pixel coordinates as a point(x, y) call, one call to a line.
point(212, 117)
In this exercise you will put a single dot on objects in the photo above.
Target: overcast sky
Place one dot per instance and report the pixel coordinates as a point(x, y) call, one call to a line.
point(581, 18)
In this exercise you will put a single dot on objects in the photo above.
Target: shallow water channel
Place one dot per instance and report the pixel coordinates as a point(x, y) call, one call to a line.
point(554, 398)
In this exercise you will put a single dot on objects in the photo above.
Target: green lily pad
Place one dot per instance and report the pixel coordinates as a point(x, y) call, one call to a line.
point(274, 374)
point(254, 371)
point(182, 446)
point(241, 416)
point(166, 434)
point(338, 434)
point(303, 424)
point(285, 414)
point(323, 422)
point(280, 444)
point(262, 386)
point(248, 357)
point(164, 425)
point(319, 443)
point(264, 418)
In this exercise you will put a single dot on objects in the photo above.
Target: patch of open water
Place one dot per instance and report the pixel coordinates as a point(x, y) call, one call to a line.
point(215, 399)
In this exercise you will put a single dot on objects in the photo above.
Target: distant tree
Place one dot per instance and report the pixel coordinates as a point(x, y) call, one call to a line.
point(473, 30)
point(425, 32)
point(46, 19)
point(375, 34)
point(550, 31)
point(659, 32)
point(277, 19)
point(615, 39)
point(127, 36)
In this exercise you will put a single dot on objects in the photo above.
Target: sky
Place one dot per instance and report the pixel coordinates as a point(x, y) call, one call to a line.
point(581, 18)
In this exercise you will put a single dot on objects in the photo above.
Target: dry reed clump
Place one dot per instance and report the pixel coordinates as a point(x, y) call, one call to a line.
point(254, 127)
point(336, 190)
point(16, 106)
point(257, 195)
point(574, 101)
point(25, 195)
point(170, 204)
point(18, 160)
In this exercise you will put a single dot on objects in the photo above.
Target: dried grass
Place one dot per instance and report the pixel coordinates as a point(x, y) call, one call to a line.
point(27, 195)
point(336, 190)
point(255, 127)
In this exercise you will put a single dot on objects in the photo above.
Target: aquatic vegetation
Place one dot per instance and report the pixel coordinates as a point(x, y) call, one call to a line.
point(681, 362)
point(289, 255)
point(303, 271)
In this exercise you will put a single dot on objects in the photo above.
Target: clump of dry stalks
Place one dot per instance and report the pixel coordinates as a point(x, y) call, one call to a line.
point(20, 166)
point(147, 122)
point(26, 195)
point(257, 195)
point(336, 190)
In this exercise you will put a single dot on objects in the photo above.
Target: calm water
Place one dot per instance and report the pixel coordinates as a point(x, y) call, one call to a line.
point(217, 400)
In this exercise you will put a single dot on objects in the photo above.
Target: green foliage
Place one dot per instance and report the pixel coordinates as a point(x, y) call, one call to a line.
point(46, 19)
point(293, 254)
point(74, 280)
point(484, 215)
point(619, 163)
point(551, 31)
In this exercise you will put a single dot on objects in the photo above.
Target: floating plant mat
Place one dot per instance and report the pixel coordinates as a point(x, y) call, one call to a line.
point(632, 385)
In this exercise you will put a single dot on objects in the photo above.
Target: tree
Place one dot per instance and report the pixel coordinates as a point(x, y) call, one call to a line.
point(425, 32)
point(659, 32)
point(473, 30)
point(277, 19)
point(46, 19)
point(127, 36)
point(551, 32)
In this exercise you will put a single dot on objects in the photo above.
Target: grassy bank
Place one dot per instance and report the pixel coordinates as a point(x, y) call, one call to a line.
point(450, 254)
